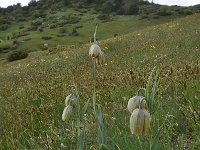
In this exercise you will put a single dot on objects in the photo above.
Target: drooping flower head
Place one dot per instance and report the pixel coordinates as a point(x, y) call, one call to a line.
point(134, 102)
point(140, 121)
point(70, 103)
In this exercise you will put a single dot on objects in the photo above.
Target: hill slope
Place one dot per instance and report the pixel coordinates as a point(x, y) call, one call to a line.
point(48, 23)
point(33, 90)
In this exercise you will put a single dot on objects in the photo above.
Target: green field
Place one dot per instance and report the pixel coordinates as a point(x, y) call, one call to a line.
point(33, 90)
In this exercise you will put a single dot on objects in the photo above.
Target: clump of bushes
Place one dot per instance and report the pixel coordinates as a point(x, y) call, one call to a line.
point(62, 23)
point(103, 17)
point(73, 19)
point(185, 12)
point(21, 27)
point(60, 35)
point(40, 29)
point(36, 23)
point(3, 27)
point(164, 11)
point(46, 37)
point(17, 55)
point(51, 26)
point(61, 30)
point(5, 46)
point(19, 34)
point(15, 46)
point(74, 32)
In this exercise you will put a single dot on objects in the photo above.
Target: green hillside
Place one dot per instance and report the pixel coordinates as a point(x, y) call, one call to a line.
point(48, 23)
point(33, 90)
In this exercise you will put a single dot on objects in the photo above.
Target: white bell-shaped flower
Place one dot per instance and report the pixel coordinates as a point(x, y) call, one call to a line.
point(133, 103)
point(94, 51)
point(140, 121)
point(67, 113)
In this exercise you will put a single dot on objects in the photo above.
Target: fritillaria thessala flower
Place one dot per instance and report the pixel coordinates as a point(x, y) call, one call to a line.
point(95, 50)
point(140, 121)
point(133, 103)
point(67, 113)
point(70, 102)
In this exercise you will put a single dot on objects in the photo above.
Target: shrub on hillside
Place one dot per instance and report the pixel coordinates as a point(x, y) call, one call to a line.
point(60, 35)
point(103, 17)
point(20, 19)
point(3, 27)
point(185, 12)
point(40, 29)
point(5, 46)
point(61, 30)
point(73, 19)
point(21, 27)
point(62, 23)
point(51, 26)
point(46, 37)
point(74, 32)
point(17, 55)
point(15, 46)
point(164, 11)
point(36, 23)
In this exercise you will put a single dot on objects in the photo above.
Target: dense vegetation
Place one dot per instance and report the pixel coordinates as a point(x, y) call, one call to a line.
point(33, 90)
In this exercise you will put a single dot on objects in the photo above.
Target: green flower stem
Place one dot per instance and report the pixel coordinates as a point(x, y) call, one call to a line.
point(140, 142)
point(94, 86)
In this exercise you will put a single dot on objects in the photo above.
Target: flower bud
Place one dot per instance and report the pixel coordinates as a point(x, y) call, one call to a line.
point(134, 102)
point(140, 122)
point(94, 51)
point(67, 113)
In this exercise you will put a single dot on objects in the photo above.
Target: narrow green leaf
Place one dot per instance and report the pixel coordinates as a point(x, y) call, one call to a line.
point(81, 140)
point(84, 109)
point(155, 139)
point(153, 92)
point(148, 84)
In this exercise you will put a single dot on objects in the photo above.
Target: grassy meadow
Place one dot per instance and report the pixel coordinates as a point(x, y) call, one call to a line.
point(33, 90)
